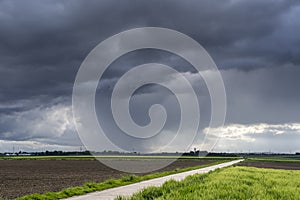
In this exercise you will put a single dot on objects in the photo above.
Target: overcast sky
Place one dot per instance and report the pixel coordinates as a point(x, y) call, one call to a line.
point(255, 44)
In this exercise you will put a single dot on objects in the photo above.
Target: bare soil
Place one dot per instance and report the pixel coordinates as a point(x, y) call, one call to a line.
point(21, 177)
point(272, 165)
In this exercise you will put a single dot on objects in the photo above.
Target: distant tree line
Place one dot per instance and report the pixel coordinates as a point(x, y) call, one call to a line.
point(46, 153)
point(87, 153)
point(61, 153)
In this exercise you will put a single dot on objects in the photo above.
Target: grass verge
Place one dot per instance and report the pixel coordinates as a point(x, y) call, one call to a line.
point(92, 187)
point(280, 159)
point(228, 183)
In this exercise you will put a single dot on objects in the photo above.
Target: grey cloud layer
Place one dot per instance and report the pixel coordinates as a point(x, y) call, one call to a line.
point(47, 41)
point(255, 43)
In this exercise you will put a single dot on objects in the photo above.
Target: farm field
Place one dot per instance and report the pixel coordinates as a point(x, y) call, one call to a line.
point(229, 183)
point(22, 176)
point(273, 163)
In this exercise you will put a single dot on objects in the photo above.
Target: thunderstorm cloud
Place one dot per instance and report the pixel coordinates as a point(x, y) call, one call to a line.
point(255, 44)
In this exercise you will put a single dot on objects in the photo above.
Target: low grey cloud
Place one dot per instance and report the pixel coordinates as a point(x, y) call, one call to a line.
point(258, 137)
point(255, 44)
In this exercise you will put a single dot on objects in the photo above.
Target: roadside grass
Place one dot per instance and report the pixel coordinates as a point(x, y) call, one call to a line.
point(228, 183)
point(92, 186)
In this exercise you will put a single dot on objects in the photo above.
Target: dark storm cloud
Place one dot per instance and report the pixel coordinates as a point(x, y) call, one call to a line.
point(48, 40)
point(42, 44)
point(263, 95)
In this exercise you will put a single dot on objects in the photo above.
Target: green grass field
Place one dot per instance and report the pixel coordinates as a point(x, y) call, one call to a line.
point(229, 183)
point(275, 159)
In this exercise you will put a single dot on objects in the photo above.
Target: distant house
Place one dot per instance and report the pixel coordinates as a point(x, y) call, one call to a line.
point(25, 154)
point(10, 154)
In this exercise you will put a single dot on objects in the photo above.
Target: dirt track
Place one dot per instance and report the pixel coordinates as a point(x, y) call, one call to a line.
point(21, 177)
